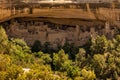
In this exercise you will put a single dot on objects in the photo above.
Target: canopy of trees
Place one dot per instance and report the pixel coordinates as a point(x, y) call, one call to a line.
point(101, 60)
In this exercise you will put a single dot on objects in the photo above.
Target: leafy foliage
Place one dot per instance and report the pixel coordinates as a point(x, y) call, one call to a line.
point(102, 61)
point(3, 41)
point(36, 46)
point(99, 45)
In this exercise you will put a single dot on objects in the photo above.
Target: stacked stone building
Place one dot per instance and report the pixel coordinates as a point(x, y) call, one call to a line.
point(57, 34)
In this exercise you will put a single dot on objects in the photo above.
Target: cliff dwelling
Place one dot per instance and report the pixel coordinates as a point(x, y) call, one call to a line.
point(31, 29)
point(58, 25)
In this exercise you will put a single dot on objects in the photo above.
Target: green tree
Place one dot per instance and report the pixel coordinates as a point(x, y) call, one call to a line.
point(99, 45)
point(113, 67)
point(5, 61)
point(3, 41)
point(3, 75)
point(60, 59)
point(19, 52)
point(99, 64)
point(36, 46)
point(72, 71)
point(42, 72)
point(20, 43)
point(81, 58)
point(116, 42)
point(14, 72)
point(88, 75)
point(62, 63)
point(71, 50)
point(46, 47)
point(45, 58)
